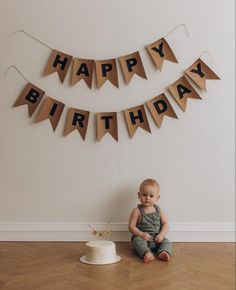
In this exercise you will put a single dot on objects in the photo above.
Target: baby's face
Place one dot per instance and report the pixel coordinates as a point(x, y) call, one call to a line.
point(149, 195)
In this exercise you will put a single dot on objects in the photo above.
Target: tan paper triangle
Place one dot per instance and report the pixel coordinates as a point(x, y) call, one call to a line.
point(136, 117)
point(31, 96)
point(106, 70)
point(58, 62)
point(107, 123)
point(160, 51)
point(51, 109)
point(76, 119)
point(160, 107)
point(199, 72)
point(181, 90)
point(132, 64)
point(82, 70)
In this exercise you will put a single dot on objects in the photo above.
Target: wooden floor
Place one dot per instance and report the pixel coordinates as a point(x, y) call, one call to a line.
point(56, 266)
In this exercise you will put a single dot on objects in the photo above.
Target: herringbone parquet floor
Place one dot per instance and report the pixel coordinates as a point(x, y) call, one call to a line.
point(56, 266)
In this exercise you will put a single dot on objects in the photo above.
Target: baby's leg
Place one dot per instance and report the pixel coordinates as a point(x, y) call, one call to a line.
point(142, 249)
point(164, 250)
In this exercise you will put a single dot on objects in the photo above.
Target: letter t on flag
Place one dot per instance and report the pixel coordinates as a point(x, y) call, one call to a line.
point(107, 122)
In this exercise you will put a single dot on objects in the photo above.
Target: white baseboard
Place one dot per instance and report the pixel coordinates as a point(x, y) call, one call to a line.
point(179, 232)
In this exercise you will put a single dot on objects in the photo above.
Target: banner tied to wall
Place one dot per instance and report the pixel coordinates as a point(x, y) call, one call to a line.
point(106, 122)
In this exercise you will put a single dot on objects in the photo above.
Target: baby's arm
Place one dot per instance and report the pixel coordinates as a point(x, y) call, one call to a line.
point(164, 227)
point(133, 220)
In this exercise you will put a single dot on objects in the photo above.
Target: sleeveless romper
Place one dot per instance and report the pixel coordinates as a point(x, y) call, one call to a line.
point(151, 224)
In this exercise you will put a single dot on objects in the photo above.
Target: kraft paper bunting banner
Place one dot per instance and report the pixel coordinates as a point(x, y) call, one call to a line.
point(181, 90)
point(160, 51)
point(31, 96)
point(52, 110)
point(106, 70)
point(82, 70)
point(136, 117)
point(58, 62)
point(199, 72)
point(107, 123)
point(160, 107)
point(76, 119)
point(132, 64)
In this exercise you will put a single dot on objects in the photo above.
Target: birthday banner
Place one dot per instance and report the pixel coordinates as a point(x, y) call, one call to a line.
point(106, 122)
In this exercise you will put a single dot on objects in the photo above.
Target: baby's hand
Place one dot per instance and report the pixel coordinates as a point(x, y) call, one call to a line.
point(145, 236)
point(159, 238)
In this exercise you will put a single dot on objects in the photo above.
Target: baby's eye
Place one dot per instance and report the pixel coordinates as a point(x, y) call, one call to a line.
point(151, 195)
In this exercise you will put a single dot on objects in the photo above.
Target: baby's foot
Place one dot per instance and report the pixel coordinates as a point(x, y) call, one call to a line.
point(148, 257)
point(164, 256)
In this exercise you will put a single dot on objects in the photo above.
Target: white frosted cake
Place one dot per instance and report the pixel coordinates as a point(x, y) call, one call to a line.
point(100, 252)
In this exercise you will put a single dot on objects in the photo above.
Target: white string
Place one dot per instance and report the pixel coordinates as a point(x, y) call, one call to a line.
point(33, 37)
point(212, 59)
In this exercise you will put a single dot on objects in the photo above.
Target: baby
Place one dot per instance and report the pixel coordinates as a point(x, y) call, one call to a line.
point(149, 224)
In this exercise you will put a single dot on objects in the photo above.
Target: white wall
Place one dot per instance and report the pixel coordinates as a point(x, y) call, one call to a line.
point(49, 179)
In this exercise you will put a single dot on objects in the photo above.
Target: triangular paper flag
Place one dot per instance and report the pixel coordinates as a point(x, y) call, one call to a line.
point(31, 96)
point(107, 123)
point(136, 117)
point(76, 119)
point(58, 62)
point(160, 51)
point(160, 107)
point(132, 64)
point(181, 90)
point(199, 72)
point(51, 109)
point(106, 70)
point(82, 70)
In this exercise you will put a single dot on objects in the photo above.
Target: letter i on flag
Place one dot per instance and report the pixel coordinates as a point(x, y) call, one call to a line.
point(199, 72)
point(107, 123)
point(58, 62)
point(160, 51)
point(51, 109)
point(160, 107)
point(31, 96)
point(136, 117)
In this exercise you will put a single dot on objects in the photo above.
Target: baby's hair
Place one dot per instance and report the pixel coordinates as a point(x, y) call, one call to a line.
point(148, 181)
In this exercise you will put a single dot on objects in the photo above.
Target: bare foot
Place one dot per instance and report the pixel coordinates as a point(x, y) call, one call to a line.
point(164, 256)
point(148, 257)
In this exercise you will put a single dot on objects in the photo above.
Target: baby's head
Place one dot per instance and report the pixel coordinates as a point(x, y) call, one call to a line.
point(149, 192)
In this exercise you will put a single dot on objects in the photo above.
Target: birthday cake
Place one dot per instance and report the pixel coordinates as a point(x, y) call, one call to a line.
point(100, 252)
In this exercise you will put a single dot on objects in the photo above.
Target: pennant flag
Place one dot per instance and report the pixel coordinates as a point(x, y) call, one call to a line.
point(58, 62)
point(52, 110)
point(199, 72)
point(181, 90)
point(107, 122)
point(132, 64)
point(106, 70)
point(76, 119)
point(160, 51)
point(136, 117)
point(82, 70)
point(31, 96)
point(160, 107)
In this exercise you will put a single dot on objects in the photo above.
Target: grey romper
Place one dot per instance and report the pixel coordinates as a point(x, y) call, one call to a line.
point(151, 224)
